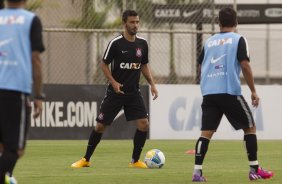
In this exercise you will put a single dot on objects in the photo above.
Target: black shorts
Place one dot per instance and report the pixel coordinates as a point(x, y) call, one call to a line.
point(14, 119)
point(133, 106)
point(235, 108)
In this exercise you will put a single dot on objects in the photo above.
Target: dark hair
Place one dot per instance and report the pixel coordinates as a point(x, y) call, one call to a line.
point(227, 17)
point(128, 13)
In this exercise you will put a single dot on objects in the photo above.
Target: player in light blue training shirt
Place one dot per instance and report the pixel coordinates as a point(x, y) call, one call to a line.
point(223, 57)
point(20, 74)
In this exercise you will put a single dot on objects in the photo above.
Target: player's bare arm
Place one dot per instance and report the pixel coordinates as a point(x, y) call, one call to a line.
point(37, 82)
point(248, 75)
point(117, 86)
point(145, 69)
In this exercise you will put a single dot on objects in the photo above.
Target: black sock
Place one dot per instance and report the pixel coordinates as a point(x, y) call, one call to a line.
point(8, 161)
point(252, 148)
point(2, 179)
point(93, 141)
point(201, 150)
point(138, 141)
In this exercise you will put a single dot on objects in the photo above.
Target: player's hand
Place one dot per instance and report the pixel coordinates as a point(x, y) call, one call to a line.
point(117, 88)
point(255, 99)
point(37, 108)
point(154, 92)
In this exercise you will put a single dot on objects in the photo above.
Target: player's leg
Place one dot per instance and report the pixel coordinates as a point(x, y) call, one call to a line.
point(1, 145)
point(211, 117)
point(15, 116)
point(201, 148)
point(2, 173)
point(240, 116)
point(140, 137)
point(135, 109)
point(109, 108)
point(250, 140)
point(94, 140)
point(139, 140)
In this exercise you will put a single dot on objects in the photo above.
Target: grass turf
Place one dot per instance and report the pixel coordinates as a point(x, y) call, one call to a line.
point(48, 162)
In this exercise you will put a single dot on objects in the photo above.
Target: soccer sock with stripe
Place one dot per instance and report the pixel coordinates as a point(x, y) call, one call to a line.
point(138, 142)
point(252, 148)
point(93, 141)
point(200, 152)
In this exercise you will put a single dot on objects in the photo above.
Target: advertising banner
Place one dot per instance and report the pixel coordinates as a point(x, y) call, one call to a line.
point(177, 113)
point(69, 112)
point(203, 13)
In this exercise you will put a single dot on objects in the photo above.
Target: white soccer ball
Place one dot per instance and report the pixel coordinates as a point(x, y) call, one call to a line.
point(154, 158)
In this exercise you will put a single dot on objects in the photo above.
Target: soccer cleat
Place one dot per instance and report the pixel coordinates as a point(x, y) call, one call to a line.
point(7, 179)
point(198, 178)
point(10, 180)
point(80, 163)
point(138, 164)
point(261, 174)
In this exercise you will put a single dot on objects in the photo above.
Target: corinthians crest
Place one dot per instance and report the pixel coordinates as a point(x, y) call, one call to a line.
point(138, 52)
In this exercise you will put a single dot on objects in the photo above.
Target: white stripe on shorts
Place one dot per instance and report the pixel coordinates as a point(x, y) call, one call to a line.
point(22, 122)
point(247, 112)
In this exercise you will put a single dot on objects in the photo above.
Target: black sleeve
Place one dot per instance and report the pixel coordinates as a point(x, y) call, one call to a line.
point(243, 51)
point(109, 53)
point(145, 58)
point(201, 57)
point(36, 35)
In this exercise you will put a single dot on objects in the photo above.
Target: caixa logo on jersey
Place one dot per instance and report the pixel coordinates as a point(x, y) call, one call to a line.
point(130, 66)
point(182, 117)
point(13, 19)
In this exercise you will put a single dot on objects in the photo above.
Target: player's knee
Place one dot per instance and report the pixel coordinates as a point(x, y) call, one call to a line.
point(100, 128)
point(251, 130)
point(1, 148)
point(11, 155)
point(20, 153)
point(147, 126)
point(17, 153)
point(143, 125)
point(207, 134)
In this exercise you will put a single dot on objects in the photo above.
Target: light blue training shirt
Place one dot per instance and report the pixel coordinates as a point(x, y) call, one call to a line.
point(15, 50)
point(220, 69)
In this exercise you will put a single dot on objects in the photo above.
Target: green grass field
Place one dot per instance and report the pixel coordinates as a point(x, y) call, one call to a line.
point(48, 162)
